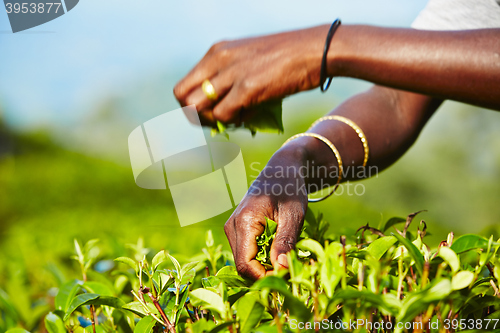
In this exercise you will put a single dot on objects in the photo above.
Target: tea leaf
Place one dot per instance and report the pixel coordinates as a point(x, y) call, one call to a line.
point(17, 330)
point(145, 325)
point(393, 221)
point(249, 312)
point(419, 301)
point(78, 301)
point(176, 265)
point(312, 246)
point(267, 118)
point(95, 299)
point(208, 300)
point(230, 276)
point(66, 294)
point(264, 242)
point(270, 227)
point(111, 301)
point(294, 305)
point(54, 324)
point(461, 280)
point(98, 288)
point(210, 281)
point(137, 308)
point(158, 259)
point(378, 247)
point(187, 267)
point(130, 262)
point(469, 242)
point(450, 257)
point(221, 327)
point(366, 296)
point(414, 252)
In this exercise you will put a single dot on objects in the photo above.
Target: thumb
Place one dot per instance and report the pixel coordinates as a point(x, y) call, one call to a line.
point(290, 223)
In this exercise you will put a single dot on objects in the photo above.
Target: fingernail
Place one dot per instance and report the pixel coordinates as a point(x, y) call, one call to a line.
point(283, 260)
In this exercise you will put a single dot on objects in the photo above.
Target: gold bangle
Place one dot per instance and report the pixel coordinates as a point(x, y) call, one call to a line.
point(334, 150)
point(355, 127)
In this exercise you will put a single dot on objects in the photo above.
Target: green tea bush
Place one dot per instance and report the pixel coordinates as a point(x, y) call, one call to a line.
point(377, 280)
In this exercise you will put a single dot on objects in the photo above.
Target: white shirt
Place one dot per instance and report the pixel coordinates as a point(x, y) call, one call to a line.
point(459, 15)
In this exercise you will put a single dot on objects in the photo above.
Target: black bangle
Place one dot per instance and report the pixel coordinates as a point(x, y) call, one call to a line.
point(322, 76)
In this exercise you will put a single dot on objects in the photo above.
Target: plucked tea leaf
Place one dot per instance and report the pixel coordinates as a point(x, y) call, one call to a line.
point(264, 243)
point(267, 118)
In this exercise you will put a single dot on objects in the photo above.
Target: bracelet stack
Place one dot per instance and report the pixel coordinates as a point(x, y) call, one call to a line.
point(332, 147)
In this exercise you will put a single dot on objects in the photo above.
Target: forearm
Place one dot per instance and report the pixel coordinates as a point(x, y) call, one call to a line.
point(391, 121)
point(458, 65)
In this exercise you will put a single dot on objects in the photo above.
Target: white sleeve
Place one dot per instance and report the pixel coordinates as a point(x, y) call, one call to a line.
point(458, 15)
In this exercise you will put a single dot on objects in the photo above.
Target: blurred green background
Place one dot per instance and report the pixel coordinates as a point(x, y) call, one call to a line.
point(67, 110)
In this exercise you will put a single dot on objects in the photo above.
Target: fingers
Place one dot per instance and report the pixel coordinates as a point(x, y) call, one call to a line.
point(290, 221)
point(222, 84)
point(241, 232)
point(205, 69)
point(208, 67)
point(227, 110)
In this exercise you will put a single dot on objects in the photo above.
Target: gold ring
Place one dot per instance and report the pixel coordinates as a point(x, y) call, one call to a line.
point(209, 90)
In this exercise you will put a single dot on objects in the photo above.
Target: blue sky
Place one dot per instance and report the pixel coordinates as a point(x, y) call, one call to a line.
point(58, 72)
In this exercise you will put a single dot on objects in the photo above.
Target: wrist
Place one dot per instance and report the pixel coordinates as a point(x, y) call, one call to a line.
point(339, 52)
point(293, 154)
point(289, 162)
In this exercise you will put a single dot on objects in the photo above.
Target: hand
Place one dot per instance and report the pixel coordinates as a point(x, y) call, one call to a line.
point(279, 193)
point(249, 71)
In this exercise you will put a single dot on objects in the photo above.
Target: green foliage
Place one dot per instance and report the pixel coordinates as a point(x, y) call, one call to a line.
point(363, 276)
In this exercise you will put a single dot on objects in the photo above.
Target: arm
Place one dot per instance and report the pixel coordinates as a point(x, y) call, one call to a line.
point(458, 65)
point(391, 120)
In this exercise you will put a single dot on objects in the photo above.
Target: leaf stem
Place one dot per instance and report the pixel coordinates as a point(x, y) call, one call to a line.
point(169, 325)
point(93, 318)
